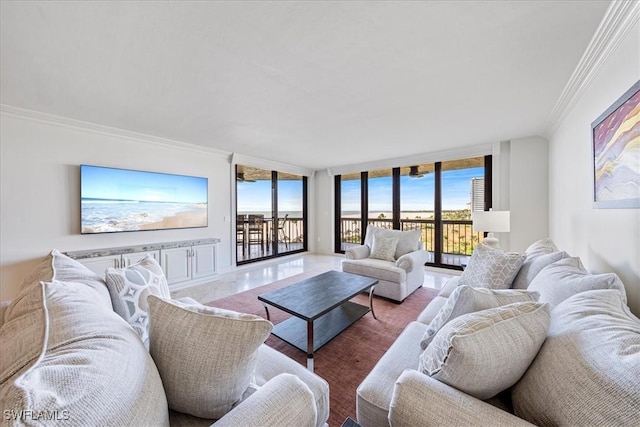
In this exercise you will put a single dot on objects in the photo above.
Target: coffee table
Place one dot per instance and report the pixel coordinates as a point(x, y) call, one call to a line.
point(320, 307)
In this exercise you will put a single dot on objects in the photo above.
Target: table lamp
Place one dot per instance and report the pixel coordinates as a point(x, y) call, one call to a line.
point(491, 222)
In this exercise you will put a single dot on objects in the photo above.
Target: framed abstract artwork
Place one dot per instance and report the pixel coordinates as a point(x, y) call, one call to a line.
point(616, 153)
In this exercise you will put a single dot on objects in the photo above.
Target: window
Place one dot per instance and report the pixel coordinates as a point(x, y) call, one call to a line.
point(435, 198)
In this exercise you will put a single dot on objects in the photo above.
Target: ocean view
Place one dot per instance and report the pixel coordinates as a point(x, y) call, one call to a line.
point(106, 216)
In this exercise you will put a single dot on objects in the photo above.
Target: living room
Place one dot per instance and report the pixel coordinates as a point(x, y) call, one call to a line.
point(56, 117)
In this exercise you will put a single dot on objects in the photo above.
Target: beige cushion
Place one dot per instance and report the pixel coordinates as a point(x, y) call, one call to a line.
point(533, 265)
point(384, 248)
point(65, 353)
point(206, 356)
point(567, 277)
point(129, 288)
point(488, 351)
point(541, 247)
point(466, 299)
point(491, 268)
point(377, 268)
point(408, 241)
point(57, 266)
point(587, 372)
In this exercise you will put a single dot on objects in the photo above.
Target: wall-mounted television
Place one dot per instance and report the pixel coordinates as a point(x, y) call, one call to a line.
point(116, 200)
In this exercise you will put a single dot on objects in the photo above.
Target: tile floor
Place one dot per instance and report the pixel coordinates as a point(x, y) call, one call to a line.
point(254, 275)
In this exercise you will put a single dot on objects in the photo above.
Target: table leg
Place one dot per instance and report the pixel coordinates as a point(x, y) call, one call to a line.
point(310, 345)
point(371, 301)
point(267, 310)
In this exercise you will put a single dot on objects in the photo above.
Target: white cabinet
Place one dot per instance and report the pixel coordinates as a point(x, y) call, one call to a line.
point(99, 264)
point(185, 264)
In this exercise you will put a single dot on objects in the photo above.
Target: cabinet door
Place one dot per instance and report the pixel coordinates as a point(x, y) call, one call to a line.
point(99, 264)
point(176, 264)
point(204, 261)
point(129, 259)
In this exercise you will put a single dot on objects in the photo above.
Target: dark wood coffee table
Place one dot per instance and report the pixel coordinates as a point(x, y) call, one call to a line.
point(320, 307)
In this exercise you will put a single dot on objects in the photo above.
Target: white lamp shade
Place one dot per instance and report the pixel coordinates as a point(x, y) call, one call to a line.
point(491, 221)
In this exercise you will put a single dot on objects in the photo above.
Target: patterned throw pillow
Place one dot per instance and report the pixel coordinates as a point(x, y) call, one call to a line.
point(206, 356)
point(488, 351)
point(384, 248)
point(129, 288)
point(466, 299)
point(491, 268)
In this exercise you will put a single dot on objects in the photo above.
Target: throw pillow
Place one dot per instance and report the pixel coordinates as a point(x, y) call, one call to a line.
point(383, 248)
point(65, 353)
point(587, 371)
point(488, 351)
point(57, 266)
point(541, 247)
point(206, 356)
point(567, 277)
point(533, 265)
point(129, 288)
point(491, 268)
point(466, 299)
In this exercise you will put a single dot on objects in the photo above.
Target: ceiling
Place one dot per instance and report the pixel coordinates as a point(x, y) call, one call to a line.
point(313, 84)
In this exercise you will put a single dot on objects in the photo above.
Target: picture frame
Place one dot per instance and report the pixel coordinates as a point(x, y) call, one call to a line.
point(615, 147)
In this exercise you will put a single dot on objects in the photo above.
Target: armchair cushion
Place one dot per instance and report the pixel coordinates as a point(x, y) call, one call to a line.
point(487, 352)
point(491, 268)
point(466, 299)
point(380, 269)
point(206, 356)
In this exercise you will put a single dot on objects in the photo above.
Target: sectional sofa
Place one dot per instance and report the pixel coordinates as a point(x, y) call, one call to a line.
point(68, 358)
point(517, 339)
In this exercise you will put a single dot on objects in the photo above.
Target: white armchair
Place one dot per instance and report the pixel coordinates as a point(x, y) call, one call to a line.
point(400, 274)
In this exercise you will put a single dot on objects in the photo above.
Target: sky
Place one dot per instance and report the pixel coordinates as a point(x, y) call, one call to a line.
point(122, 184)
point(256, 196)
point(416, 194)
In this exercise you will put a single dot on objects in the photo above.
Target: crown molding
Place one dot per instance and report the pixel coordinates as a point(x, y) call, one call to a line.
point(52, 119)
point(620, 18)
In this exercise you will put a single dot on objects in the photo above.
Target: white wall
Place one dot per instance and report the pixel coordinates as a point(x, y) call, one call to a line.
point(40, 191)
point(528, 191)
point(605, 239)
point(324, 209)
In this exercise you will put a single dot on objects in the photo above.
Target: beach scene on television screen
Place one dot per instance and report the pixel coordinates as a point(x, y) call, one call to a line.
point(116, 200)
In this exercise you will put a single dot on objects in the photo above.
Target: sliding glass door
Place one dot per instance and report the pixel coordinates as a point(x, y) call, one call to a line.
point(271, 214)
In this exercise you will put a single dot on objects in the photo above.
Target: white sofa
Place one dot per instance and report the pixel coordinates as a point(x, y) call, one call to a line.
point(67, 357)
point(400, 272)
point(585, 373)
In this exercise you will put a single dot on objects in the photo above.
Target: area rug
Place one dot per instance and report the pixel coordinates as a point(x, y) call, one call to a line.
point(347, 359)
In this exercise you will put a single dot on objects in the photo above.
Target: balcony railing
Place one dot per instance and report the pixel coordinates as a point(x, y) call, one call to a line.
point(458, 237)
point(256, 240)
